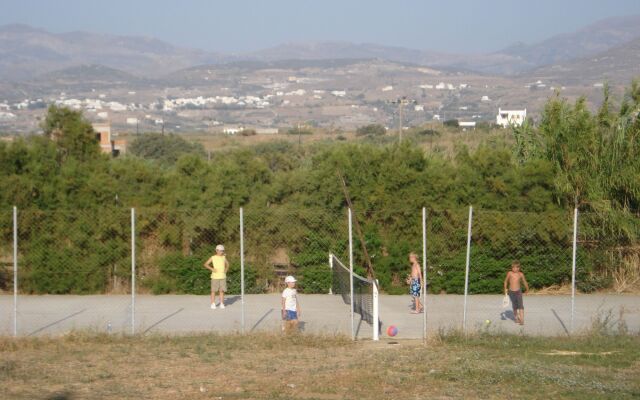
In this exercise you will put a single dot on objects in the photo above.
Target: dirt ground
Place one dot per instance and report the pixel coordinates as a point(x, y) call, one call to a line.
point(267, 366)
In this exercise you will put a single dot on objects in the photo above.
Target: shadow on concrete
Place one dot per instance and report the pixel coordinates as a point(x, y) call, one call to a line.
point(260, 320)
point(561, 322)
point(230, 299)
point(508, 314)
point(56, 322)
point(161, 321)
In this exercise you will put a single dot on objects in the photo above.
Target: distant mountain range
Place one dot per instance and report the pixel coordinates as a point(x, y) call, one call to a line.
point(618, 65)
point(26, 53)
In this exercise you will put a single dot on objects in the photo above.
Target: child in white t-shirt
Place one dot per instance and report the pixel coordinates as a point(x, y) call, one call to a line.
point(290, 305)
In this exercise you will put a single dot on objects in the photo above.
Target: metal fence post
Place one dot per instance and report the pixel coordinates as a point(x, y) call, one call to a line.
point(573, 264)
point(466, 274)
point(15, 271)
point(424, 274)
point(376, 312)
point(353, 332)
point(133, 271)
point(242, 269)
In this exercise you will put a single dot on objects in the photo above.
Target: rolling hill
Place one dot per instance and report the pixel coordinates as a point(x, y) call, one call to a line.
point(618, 65)
point(26, 52)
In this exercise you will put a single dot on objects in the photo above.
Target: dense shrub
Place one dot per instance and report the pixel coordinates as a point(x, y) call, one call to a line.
point(371, 130)
point(452, 123)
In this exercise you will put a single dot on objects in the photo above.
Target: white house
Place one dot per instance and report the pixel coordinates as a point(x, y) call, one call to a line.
point(266, 131)
point(232, 130)
point(467, 124)
point(7, 116)
point(507, 118)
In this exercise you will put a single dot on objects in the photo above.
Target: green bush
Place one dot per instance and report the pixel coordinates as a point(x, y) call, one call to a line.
point(452, 123)
point(371, 130)
point(186, 275)
point(315, 279)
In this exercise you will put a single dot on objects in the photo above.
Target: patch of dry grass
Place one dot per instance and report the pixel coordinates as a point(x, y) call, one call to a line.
point(318, 367)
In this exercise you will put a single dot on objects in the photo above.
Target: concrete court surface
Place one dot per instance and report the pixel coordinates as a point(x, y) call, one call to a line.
point(545, 315)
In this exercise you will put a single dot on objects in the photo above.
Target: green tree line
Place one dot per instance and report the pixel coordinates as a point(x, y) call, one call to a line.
point(74, 205)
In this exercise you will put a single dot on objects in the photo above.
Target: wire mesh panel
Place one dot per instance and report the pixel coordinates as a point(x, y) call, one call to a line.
point(280, 241)
point(542, 244)
point(6, 272)
point(389, 236)
point(173, 246)
point(609, 252)
point(446, 250)
point(73, 256)
point(446, 232)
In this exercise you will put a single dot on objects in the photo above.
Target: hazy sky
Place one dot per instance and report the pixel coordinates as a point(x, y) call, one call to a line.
point(244, 25)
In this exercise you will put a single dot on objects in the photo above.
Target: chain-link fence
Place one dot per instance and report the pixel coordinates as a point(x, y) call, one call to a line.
point(542, 243)
point(7, 316)
point(75, 266)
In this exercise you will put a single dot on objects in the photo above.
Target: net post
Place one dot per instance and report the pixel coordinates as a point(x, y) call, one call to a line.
point(133, 271)
point(376, 312)
point(242, 269)
point(353, 333)
point(331, 267)
point(15, 271)
point(424, 274)
point(573, 265)
point(466, 273)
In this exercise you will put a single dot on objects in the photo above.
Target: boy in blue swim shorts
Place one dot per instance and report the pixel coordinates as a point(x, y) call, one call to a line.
point(290, 305)
point(415, 283)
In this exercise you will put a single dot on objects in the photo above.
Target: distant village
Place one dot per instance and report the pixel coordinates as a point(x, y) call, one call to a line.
point(266, 104)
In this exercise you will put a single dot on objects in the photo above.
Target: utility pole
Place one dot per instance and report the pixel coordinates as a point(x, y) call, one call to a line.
point(400, 127)
point(401, 103)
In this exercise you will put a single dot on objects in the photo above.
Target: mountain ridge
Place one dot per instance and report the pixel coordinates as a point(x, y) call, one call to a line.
point(27, 52)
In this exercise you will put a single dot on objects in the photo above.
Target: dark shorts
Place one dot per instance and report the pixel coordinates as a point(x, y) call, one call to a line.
point(516, 299)
point(290, 315)
point(414, 288)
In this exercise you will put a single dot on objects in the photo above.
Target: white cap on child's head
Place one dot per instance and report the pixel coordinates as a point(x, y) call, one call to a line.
point(220, 247)
point(289, 279)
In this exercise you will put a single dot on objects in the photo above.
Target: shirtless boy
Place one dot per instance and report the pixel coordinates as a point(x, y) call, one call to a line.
point(415, 283)
point(514, 290)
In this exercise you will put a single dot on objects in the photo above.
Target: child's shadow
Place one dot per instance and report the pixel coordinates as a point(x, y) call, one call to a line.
point(505, 315)
point(301, 325)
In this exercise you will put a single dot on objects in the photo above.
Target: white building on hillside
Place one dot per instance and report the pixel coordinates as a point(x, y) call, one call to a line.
point(467, 124)
point(232, 130)
point(507, 118)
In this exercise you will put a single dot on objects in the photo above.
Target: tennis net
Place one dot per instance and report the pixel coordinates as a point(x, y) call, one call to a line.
point(362, 289)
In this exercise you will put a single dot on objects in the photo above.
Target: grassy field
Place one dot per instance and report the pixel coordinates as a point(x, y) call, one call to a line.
point(315, 367)
point(445, 142)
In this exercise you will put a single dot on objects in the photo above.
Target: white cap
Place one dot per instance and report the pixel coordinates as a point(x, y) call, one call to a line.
point(289, 279)
point(220, 247)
